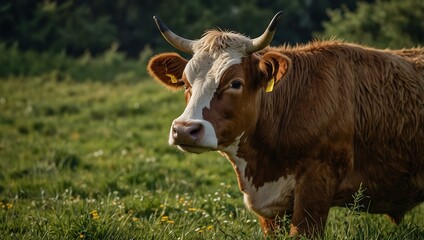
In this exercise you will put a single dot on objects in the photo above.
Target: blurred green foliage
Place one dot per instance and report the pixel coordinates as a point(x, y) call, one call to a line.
point(383, 24)
point(55, 26)
point(113, 39)
point(77, 26)
point(111, 65)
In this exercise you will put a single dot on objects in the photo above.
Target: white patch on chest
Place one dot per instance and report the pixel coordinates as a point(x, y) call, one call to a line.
point(269, 200)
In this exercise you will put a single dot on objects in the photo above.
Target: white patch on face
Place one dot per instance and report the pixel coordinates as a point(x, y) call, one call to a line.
point(204, 73)
point(268, 200)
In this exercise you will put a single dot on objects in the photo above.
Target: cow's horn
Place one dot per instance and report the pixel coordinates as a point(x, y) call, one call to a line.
point(175, 40)
point(265, 39)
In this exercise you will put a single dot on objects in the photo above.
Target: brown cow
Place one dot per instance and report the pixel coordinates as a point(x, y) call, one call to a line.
point(303, 126)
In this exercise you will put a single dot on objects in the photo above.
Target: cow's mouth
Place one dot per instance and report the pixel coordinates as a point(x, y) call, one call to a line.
point(194, 148)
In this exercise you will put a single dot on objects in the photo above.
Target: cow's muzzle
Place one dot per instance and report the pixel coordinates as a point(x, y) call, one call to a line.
point(192, 136)
point(187, 133)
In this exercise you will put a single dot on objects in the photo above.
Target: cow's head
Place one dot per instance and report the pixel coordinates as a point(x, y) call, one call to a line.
point(222, 82)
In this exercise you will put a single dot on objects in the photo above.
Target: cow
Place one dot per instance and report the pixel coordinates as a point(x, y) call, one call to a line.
point(303, 126)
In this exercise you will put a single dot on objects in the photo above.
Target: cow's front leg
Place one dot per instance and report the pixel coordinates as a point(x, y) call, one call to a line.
point(313, 195)
point(269, 226)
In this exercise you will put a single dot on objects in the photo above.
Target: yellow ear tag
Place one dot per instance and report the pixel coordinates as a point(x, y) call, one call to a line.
point(270, 85)
point(173, 78)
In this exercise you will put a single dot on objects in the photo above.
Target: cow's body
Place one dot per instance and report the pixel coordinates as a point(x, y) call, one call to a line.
point(343, 110)
point(340, 115)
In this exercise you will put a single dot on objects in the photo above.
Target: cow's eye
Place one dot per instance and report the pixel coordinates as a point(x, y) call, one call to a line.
point(236, 84)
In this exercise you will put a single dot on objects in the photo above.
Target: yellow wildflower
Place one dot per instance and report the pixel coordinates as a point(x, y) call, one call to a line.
point(166, 219)
point(7, 205)
point(209, 228)
point(135, 219)
point(94, 215)
point(81, 235)
point(192, 209)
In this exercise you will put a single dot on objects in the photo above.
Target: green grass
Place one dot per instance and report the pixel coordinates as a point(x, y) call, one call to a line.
point(90, 160)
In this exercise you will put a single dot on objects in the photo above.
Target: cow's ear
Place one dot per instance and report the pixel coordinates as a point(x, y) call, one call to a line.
point(273, 66)
point(167, 69)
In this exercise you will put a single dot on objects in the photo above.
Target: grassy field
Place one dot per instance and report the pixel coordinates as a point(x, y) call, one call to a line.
point(91, 161)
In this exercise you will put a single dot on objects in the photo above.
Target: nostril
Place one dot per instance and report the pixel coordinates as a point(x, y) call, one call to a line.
point(195, 130)
point(174, 131)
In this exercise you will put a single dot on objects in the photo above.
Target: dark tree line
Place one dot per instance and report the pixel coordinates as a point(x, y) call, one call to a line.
point(78, 26)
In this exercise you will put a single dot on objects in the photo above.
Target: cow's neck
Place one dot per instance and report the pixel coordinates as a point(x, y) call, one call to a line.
point(262, 175)
point(259, 154)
